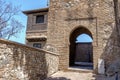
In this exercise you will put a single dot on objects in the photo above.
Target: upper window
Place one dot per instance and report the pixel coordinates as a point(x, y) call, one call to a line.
point(37, 45)
point(40, 19)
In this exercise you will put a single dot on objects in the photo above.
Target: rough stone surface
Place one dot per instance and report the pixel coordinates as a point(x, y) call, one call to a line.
point(80, 76)
point(101, 67)
point(20, 62)
point(70, 76)
point(36, 32)
point(97, 16)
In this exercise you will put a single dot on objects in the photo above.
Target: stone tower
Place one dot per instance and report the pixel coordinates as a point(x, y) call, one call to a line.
point(36, 34)
point(69, 18)
point(57, 27)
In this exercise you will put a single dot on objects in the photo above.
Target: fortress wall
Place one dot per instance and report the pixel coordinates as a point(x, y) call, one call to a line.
point(20, 62)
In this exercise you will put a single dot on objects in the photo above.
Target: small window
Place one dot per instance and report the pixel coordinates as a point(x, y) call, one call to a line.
point(37, 45)
point(40, 19)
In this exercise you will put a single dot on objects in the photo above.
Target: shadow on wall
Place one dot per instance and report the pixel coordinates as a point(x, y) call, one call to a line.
point(20, 62)
point(32, 64)
point(57, 78)
point(111, 55)
point(103, 77)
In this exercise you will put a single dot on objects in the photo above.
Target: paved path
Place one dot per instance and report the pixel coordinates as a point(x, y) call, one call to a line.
point(79, 76)
point(71, 76)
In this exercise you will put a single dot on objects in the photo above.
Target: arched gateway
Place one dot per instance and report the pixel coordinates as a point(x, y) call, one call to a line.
point(56, 31)
point(81, 54)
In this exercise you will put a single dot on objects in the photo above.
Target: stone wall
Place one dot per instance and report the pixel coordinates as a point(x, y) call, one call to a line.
point(66, 15)
point(20, 62)
point(36, 34)
point(84, 52)
point(31, 23)
point(111, 54)
point(41, 42)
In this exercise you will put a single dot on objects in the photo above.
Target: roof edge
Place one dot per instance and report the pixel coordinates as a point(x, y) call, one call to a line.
point(36, 10)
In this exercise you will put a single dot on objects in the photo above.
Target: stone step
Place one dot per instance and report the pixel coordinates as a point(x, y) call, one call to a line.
point(69, 75)
point(61, 75)
point(72, 69)
point(100, 77)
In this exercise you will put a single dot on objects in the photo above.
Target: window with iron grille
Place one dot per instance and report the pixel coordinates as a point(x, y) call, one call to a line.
point(40, 19)
point(37, 45)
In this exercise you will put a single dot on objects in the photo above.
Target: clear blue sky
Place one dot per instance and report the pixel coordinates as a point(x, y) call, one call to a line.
point(84, 38)
point(30, 5)
point(25, 5)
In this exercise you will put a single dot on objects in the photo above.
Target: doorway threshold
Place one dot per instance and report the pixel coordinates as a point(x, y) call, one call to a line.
point(84, 63)
point(80, 69)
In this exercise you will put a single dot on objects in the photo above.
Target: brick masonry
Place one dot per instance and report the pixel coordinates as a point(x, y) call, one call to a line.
point(66, 19)
point(36, 32)
point(64, 16)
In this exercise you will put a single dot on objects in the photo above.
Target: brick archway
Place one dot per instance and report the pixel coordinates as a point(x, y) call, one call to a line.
point(72, 49)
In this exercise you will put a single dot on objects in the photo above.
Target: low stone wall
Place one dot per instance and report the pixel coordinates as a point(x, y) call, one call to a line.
point(20, 62)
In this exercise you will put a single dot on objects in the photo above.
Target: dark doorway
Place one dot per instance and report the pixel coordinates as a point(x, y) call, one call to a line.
point(81, 52)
